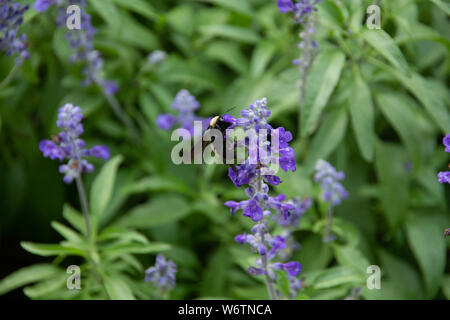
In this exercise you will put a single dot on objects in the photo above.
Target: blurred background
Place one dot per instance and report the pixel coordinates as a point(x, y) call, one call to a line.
point(228, 53)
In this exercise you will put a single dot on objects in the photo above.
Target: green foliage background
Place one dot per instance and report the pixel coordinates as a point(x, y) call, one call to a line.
point(376, 106)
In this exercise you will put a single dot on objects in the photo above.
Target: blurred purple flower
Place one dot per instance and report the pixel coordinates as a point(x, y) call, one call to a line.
point(81, 41)
point(332, 190)
point(162, 274)
point(157, 56)
point(185, 103)
point(446, 142)
point(444, 176)
point(11, 42)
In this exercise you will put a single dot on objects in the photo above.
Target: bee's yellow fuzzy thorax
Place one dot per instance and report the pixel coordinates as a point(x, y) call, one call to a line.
point(213, 121)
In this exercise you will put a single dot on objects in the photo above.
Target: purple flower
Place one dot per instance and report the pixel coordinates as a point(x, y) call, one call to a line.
point(332, 190)
point(42, 5)
point(293, 268)
point(100, 152)
point(110, 87)
point(444, 177)
point(51, 150)
point(285, 5)
point(446, 142)
point(255, 271)
point(241, 238)
point(162, 274)
point(81, 41)
point(253, 210)
point(166, 121)
point(68, 144)
point(185, 104)
point(291, 212)
point(11, 42)
point(256, 173)
point(277, 243)
point(157, 56)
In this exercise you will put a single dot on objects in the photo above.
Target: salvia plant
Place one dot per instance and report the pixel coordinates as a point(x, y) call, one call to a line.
point(332, 191)
point(355, 100)
point(260, 207)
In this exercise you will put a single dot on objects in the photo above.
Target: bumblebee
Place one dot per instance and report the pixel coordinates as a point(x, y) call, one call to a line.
point(221, 125)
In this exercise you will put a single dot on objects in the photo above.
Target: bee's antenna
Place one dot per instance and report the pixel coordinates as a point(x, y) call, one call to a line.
point(232, 108)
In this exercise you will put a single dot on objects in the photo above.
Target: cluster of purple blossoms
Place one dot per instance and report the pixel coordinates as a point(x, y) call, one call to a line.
point(162, 274)
point(444, 176)
point(257, 174)
point(186, 104)
point(332, 190)
point(11, 42)
point(81, 41)
point(302, 11)
point(68, 145)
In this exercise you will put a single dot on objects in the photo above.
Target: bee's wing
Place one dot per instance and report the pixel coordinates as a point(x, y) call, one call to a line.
point(198, 149)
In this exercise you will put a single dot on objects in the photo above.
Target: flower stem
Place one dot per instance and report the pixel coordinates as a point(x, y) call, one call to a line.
point(328, 234)
point(267, 280)
point(10, 76)
point(84, 205)
point(117, 109)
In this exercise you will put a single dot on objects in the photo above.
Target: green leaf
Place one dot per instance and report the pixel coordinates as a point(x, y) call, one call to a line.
point(123, 234)
point(122, 27)
point(27, 275)
point(215, 276)
point(70, 235)
point(322, 79)
point(362, 114)
point(428, 245)
point(403, 275)
point(397, 108)
point(262, 55)
point(119, 248)
point(336, 276)
point(351, 257)
point(182, 19)
point(117, 288)
point(229, 53)
point(393, 182)
point(141, 7)
point(156, 212)
point(236, 5)
point(385, 45)
point(47, 287)
point(330, 135)
point(159, 183)
point(446, 287)
point(103, 186)
point(444, 6)
point(42, 249)
point(425, 91)
point(238, 34)
point(332, 14)
point(75, 218)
